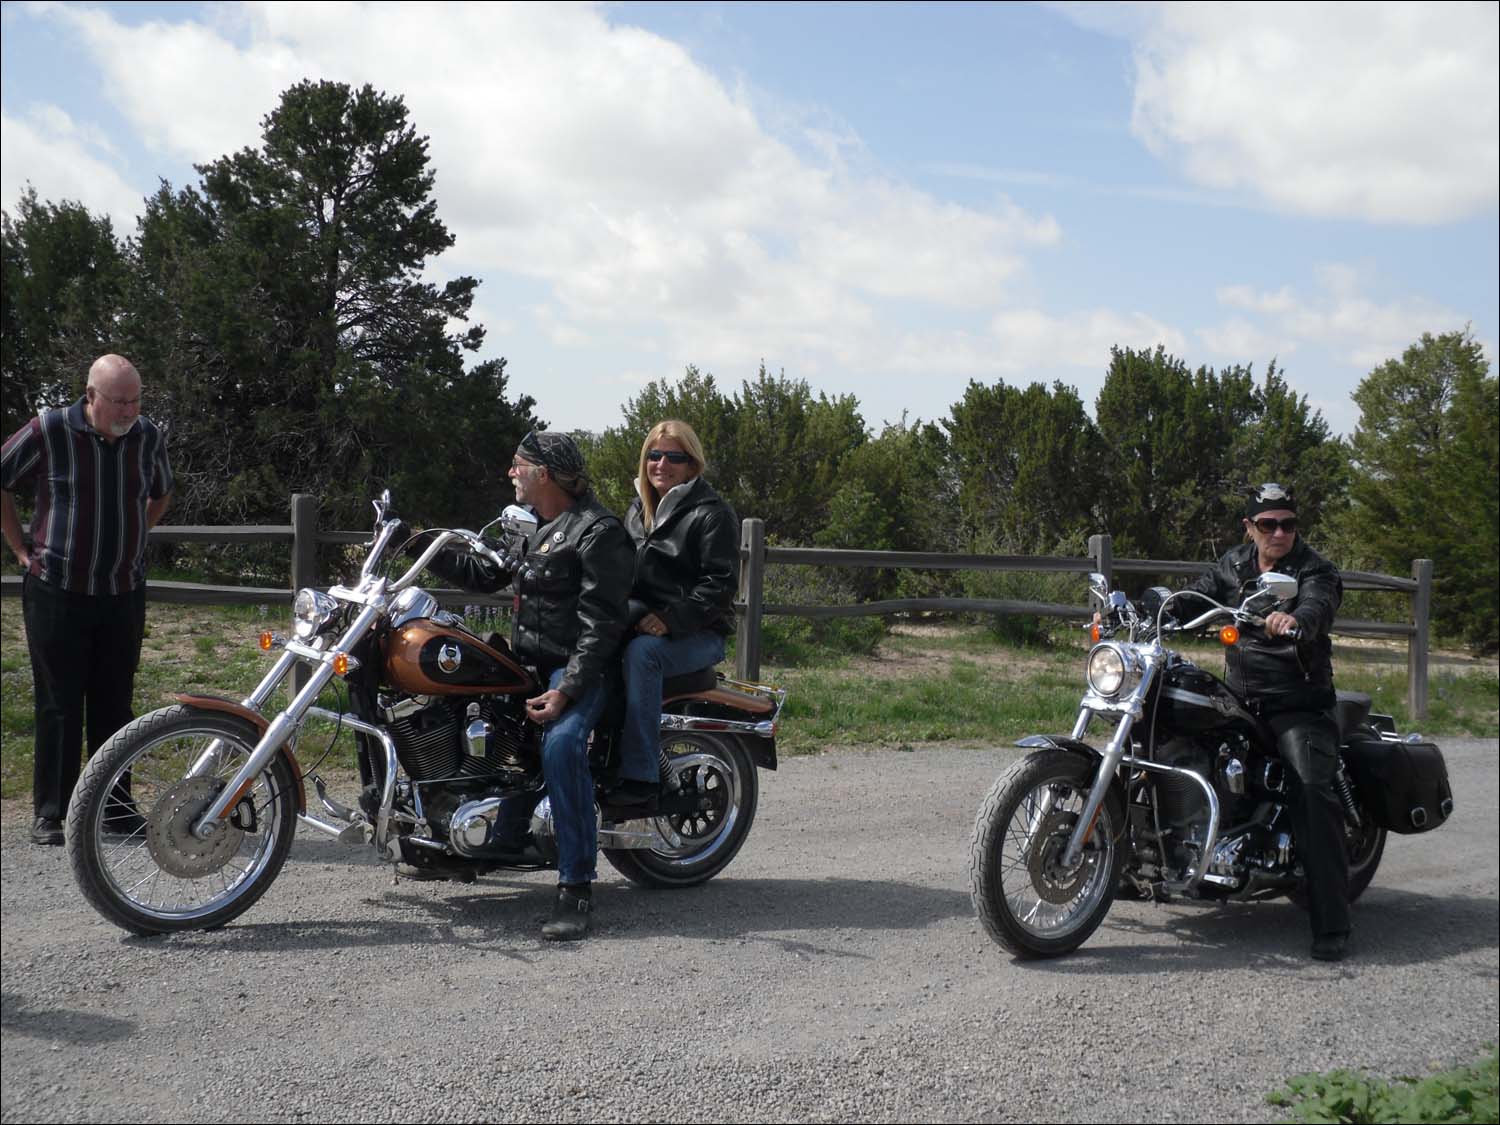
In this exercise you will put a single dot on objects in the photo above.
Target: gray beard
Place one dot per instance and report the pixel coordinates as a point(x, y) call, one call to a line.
point(120, 429)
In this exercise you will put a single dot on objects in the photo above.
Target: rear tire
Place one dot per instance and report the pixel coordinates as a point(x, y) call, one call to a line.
point(1365, 846)
point(129, 840)
point(720, 770)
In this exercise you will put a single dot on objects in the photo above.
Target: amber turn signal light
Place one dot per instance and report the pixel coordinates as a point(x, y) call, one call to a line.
point(1229, 635)
point(1095, 632)
point(266, 641)
point(341, 664)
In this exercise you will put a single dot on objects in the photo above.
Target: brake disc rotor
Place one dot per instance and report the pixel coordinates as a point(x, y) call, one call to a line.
point(169, 831)
point(1052, 881)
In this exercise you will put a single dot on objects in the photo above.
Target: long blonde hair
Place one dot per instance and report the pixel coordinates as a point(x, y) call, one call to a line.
point(683, 435)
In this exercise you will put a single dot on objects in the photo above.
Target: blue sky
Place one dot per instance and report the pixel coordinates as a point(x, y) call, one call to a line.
point(886, 200)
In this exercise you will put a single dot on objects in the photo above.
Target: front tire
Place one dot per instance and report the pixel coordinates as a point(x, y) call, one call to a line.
point(693, 848)
point(1028, 901)
point(129, 840)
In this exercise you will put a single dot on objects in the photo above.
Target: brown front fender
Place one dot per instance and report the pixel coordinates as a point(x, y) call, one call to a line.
point(260, 722)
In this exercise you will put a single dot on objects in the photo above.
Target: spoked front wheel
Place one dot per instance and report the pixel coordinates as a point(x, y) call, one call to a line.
point(694, 847)
point(1029, 900)
point(130, 838)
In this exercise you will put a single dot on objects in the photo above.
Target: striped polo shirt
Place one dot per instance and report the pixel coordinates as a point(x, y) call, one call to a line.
point(89, 527)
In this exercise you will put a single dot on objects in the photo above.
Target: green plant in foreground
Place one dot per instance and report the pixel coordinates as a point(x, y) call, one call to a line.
point(1465, 1094)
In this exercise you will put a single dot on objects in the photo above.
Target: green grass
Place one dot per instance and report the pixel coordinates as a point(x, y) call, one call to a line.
point(952, 683)
point(1463, 1094)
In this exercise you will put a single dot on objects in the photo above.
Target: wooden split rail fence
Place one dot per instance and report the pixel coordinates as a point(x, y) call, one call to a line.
point(305, 537)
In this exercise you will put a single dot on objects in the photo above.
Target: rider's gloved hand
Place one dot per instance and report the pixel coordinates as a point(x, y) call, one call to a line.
point(1279, 624)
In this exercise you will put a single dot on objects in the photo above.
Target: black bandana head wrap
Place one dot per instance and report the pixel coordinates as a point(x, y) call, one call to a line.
point(1270, 498)
point(559, 455)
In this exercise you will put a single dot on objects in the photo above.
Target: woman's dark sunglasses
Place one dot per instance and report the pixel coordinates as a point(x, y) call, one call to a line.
point(673, 456)
point(1268, 526)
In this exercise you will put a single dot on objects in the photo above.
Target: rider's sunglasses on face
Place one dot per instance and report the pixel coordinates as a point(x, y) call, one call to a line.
point(1269, 526)
point(673, 456)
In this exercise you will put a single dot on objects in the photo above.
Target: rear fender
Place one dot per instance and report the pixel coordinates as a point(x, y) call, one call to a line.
point(713, 713)
point(259, 721)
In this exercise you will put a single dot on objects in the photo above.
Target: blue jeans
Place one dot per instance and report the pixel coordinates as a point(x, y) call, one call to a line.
point(570, 786)
point(648, 660)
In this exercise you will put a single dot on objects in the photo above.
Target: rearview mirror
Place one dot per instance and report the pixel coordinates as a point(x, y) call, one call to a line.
point(516, 520)
point(1281, 587)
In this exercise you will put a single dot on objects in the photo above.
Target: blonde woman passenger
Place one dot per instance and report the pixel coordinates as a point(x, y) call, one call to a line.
point(682, 596)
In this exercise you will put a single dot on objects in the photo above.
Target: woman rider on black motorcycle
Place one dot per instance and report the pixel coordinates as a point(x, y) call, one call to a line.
point(682, 598)
point(1286, 676)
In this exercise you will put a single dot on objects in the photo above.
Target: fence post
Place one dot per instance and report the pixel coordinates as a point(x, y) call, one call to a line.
point(1416, 646)
point(1102, 551)
point(304, 559)
point(752, 579)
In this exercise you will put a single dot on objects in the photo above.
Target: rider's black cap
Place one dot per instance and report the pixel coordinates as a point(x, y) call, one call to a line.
point(1270, 497)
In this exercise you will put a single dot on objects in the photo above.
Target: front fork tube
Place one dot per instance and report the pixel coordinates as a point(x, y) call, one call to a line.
point(282, 727)
point(1104, 776)
point(208, 761)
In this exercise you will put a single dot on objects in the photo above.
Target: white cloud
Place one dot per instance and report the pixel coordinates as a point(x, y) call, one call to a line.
point(1032, 338)
point(63, 160)
point(1383, 112)
point(601, 161)
point(191, 93)
point(1336, 314)
point(1239, 341)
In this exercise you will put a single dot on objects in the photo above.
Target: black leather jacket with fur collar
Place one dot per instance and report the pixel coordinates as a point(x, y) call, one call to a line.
point(1282, 674)
point(687, 567)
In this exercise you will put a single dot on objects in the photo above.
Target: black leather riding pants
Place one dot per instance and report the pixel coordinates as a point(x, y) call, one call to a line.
point(1308, 742)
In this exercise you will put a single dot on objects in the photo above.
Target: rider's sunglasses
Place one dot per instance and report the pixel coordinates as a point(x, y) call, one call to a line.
point(1269, 526)
point(673, 456)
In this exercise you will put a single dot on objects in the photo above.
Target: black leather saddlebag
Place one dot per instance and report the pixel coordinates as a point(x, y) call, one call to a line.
point(1404, 785)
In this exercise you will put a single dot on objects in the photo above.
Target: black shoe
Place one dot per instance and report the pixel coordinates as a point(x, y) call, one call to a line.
point(47, 832)
point(570, 914)
point(632, 795)
point(124, 822)
point(1330, 947)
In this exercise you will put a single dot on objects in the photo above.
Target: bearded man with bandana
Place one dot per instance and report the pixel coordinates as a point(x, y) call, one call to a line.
point(571, 596)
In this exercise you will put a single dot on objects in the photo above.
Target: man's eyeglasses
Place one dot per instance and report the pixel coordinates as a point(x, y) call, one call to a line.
point(673, 456)
point(1269, 526)
point(120, 402)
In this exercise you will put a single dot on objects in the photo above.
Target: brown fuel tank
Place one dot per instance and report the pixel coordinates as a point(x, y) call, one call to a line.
point(425, 658)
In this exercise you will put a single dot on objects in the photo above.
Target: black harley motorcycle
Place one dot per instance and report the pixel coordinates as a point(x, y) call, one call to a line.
point(1187, 797)
point(184, 819)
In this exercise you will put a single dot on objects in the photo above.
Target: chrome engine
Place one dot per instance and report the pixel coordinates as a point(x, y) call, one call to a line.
point(1254, 848)
point(441, 737)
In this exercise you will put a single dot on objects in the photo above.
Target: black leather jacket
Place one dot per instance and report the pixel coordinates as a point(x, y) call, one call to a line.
point(687, 567)
point(1282, 674)
point(570, 592)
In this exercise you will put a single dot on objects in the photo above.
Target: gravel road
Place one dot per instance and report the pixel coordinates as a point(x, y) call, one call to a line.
point(835, 971)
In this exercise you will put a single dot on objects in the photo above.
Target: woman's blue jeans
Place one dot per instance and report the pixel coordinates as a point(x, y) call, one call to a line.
point(649, 660)
point(570, 786)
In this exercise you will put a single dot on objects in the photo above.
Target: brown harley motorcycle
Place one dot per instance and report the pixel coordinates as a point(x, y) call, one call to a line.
point(1186, 796)
point(184, 819)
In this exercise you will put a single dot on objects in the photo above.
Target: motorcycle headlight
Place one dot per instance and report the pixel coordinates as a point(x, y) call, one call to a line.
point(311, 610)
point(1112, 670)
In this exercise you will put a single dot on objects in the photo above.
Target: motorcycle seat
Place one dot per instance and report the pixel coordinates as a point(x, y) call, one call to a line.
point(690, 683)
point(1352, 709)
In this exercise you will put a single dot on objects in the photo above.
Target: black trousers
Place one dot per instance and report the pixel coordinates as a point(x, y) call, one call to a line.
point(84, 654)
point(1309, 745)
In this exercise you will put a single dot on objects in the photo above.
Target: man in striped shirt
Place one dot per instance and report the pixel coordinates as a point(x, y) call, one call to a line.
point(100, 479)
